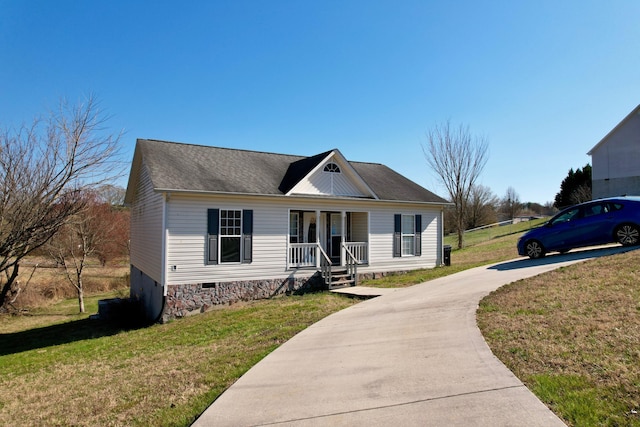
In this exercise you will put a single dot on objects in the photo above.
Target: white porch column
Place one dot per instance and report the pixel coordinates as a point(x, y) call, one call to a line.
point(318, 243)
point(343, 237)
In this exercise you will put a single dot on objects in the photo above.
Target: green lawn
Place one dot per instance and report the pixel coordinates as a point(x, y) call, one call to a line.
point(579, 355)
point(85, 372)
point(573, 337)
point(481, 247)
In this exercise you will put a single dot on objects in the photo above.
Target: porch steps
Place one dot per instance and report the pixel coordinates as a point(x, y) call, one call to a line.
point(341, 279)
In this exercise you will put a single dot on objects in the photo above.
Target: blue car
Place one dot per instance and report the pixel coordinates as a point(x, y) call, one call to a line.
point(616, 219)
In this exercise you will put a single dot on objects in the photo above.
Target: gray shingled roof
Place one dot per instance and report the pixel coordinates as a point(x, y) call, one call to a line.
point(184, 167)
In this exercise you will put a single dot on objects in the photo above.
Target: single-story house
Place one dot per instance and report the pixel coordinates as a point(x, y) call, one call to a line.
point(214, 226)
point(615, 169)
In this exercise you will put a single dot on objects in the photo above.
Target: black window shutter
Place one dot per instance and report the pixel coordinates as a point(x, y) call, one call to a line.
point(247, 235)
point(212, 233)
point(300, 227)
point(418, 235)
point(397, 235)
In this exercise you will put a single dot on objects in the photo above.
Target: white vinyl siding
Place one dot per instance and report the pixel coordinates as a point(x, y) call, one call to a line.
point(615, 167)
point(147, 228)
point(381, 243)
point(331, 182)
point(187, 226)
point(360, 227)
point(187, 234)
point(617, 157)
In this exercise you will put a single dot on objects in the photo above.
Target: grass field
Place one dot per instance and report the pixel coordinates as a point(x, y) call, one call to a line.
point(481, 247)
point(43, 284)
point(571, 335)
point(87, 373)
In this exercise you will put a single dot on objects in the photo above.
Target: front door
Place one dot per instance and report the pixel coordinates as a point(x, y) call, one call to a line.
point(334, 237)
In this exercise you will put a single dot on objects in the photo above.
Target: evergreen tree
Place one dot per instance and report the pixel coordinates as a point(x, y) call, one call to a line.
point(575, 188)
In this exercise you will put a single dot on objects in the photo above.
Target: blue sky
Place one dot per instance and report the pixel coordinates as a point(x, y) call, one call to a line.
point(542, 80)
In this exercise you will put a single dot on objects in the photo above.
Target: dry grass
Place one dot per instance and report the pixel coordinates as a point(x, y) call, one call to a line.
point(49, 284)
point(85, 373)
point(573, 337)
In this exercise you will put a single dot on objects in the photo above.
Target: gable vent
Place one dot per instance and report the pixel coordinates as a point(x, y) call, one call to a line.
point(332, 167)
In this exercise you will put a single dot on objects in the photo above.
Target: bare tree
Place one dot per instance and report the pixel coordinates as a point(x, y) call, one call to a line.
point(581, 194)
point(511, 205)
point(115, 243)
point(112, 194)
point(457, 158)
point(482, 207)
point(80, 238)
point(42, 169)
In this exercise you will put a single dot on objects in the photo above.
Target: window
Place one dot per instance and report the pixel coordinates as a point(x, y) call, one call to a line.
point(294, 226)
point(615, 207)
point(230, 236)
point(596, 209)
point(407, 235)
point(571, 214)
point(332, 167)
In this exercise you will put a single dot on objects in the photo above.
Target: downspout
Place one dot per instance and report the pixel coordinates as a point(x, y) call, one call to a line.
point(442, 236)
point(165, 231)
point(163, 260)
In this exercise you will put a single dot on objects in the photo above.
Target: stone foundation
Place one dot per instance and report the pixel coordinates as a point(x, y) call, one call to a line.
point(362, 276)
point(184, 300)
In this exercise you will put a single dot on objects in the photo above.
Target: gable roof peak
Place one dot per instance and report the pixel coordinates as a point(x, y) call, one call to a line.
point(635, 111)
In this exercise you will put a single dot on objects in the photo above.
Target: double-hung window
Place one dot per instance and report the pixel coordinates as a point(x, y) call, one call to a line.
point(407, 235)
point(230, 233)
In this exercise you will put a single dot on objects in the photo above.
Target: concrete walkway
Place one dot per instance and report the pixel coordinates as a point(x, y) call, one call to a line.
point(412, 357)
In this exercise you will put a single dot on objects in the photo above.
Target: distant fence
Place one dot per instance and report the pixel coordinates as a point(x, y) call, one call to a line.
point(515, 220)
point(498, 229)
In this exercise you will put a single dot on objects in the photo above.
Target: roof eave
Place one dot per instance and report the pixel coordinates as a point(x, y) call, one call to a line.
point(612, 131)
point(298, 196)
point(134, 176)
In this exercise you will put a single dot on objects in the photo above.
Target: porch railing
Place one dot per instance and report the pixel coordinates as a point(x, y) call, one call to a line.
point(325, 266)
point(302, 255)
point(359, 251)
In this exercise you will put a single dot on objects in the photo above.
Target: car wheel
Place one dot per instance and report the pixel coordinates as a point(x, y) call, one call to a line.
point(627, 234)
point(534, 249)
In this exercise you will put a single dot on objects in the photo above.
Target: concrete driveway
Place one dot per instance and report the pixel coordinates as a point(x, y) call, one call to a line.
point(412, 357)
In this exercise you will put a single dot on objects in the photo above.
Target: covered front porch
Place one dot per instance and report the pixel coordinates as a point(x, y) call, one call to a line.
point(334, 238)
